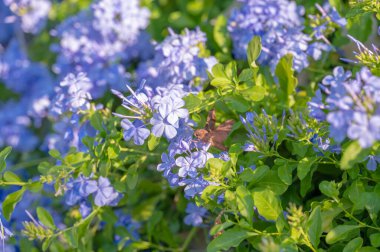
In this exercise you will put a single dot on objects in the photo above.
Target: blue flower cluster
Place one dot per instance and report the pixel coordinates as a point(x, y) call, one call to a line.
point(100, 40)
point(71, 99)
point(20, 112)
point(350, 105)
point(279, 23)
point(158, 108)
point(30, 15)
point(161, 108)
point(178, 60)
point(78, 190)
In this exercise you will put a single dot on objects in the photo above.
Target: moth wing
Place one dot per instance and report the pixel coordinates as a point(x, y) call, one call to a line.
point(221, 134)
point(226, 126)
point(211, 118)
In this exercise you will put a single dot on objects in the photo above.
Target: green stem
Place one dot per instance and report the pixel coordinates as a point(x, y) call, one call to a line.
point(362, 224)
point(91, 215)
point(139, 152)
point(189, 238)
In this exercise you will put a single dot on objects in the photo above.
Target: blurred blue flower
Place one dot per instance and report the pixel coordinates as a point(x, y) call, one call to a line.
point(351, 106)
point(31, 14)
point(79, 188)
point(373, 162)
point(194, 215)
point(105, 194)
point(177, 61)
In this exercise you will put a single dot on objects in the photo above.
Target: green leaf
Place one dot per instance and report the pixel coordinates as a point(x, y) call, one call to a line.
point(314, 226)
point(353, 154)
point(340, 233)
point(272, 182)
point(218, 71)
point(329, 189)
point(236, 103)
point(221, 34)
point(217, 167)
point(11, 177)
point(268, 204)
point(55, 154)
point(303, 167)
point(221, 83)
point(256, 93)
point(254, 176)
point(375, 239)
point(96, 121)
point(372, 204)
point(285, 173)
point(253, 51)
point(132, 177)
point(3, 155)
point(355, 194)
point(230, 238)
point(244, 202)
point(46, 243)
point(286, 78)
point(354, 245)
point(35, 186)
point(153, 142)
point(217, 228)
point(11, 201)
point(45, 218)
point(192, 102)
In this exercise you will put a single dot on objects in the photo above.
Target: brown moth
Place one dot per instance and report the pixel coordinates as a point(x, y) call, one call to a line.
point(212, 135)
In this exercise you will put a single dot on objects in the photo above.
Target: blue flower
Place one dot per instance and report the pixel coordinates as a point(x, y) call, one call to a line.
point(194, 215)
point(31, 14)
point(85, 208)
point(177, 61)
point(79, 188)
point(162, 126)
point(95, 42)
point(351, 106)
point(72, 95)
point(189, 164)
point(167, 163)
point(372, 163)
point(365, 130)
point(135, 130)
point(278, 23)
point(105, 194)
point(172, 109)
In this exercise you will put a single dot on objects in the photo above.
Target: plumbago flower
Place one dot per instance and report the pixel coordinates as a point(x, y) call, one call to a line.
point(178, 60)
point(72, 99)
point(351, 106)
point(163, 110)
point(101, 40)
point(31, 14)
point(194, 215)
point(33, 83)
point(279, 23)
point(78, 190)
